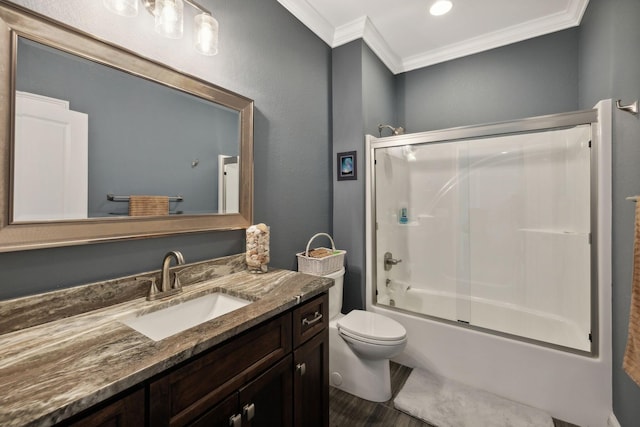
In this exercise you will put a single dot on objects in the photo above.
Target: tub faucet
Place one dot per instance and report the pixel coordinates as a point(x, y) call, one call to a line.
point(167, 286)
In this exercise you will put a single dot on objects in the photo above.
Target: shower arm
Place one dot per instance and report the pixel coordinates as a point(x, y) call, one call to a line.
point(394, 131)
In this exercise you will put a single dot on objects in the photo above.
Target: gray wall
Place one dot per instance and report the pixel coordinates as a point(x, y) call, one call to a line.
point(363, 97)
point(530, 78)
point(266, 55)
point(348, 196)
point(610, 68)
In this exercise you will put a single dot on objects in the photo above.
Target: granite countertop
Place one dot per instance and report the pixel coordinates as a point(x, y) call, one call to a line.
point(67, 360)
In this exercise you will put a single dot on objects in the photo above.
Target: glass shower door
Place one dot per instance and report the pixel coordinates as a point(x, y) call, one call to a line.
point(492, 232)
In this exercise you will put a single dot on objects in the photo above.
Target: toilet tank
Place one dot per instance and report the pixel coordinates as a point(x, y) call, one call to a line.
point(335, 293)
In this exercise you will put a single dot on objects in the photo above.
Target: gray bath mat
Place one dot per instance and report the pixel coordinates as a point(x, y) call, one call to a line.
point(447, 403)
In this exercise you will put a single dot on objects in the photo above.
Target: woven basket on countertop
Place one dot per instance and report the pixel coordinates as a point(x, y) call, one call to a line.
point(321, 266)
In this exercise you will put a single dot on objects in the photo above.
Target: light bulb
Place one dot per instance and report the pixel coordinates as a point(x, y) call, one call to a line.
point(122, 7)
point(440, 7)
point(168, 16)
point(206, 34)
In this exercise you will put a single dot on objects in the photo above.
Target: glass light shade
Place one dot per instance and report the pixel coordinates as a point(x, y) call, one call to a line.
point(122, 7)
point(168, 16)
point(206, 34)
point(440, 7)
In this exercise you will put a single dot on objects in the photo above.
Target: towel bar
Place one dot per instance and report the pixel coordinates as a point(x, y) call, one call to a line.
point(114, 198)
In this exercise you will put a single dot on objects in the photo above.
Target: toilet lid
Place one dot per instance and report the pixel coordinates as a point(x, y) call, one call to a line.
point(367, 324)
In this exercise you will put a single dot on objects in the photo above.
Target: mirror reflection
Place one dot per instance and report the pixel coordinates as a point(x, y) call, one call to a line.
point(90, 140)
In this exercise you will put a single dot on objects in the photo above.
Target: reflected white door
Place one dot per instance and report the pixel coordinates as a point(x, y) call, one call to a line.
point(51, 160)
point(228, 184)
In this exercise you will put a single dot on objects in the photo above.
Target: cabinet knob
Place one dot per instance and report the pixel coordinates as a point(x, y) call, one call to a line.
point(249, 411)
point(302, 368)
point(235, 420)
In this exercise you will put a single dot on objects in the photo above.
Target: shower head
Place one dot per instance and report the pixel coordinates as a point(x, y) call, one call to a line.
point(394, 131)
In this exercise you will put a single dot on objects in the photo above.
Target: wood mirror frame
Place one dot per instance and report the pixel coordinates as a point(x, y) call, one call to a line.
point(15, 22)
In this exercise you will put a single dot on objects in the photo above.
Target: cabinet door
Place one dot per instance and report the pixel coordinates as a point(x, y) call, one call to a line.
point(267, 400)
point(311, 382)
point(127, 411)
point(187, 393)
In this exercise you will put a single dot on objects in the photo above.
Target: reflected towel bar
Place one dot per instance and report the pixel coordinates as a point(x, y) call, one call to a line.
point(633, 199)
point(631, 108)
point(114, 198)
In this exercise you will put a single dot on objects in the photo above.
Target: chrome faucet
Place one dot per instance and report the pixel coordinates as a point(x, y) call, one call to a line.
point(167, 286)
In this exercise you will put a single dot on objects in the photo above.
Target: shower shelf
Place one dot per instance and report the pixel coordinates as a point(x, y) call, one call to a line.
point(556, 232)
point(395, 223)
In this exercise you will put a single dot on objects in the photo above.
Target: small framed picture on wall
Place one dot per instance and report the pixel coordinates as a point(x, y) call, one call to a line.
point(347, 166)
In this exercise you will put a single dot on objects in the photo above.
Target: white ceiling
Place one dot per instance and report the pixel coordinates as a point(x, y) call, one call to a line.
point(405, 36)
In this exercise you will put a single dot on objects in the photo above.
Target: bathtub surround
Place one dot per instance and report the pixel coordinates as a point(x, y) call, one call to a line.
point(446, 403)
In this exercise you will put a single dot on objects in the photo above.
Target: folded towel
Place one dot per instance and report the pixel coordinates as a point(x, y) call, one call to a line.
point(631, 362)
point(148, 205)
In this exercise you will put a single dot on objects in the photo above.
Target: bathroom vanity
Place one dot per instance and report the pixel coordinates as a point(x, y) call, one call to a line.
point(262, 364)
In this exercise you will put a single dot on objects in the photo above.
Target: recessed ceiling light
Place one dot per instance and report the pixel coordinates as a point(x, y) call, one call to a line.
point(440, 7)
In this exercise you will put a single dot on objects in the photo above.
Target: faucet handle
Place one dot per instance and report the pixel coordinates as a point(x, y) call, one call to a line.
point(176, 282)
point(153, 289)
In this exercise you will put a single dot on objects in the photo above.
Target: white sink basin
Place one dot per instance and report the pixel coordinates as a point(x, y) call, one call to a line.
point(161, 324)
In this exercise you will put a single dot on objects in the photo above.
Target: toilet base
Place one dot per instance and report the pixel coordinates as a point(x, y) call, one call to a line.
point(364, 378)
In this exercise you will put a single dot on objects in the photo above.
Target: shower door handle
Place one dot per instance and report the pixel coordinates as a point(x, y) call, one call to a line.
point(390, 261)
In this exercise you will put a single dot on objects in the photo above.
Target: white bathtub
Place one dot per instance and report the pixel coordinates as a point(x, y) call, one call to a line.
point(489, 314)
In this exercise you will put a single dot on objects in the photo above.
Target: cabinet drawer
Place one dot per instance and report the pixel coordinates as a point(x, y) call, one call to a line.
point(189, 391)
point(310, 318)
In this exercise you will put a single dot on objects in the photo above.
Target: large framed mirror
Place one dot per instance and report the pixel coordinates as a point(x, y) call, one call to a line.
point(98, 143)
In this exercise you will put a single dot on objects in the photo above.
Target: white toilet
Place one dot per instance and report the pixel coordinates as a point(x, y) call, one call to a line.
point(360, 346)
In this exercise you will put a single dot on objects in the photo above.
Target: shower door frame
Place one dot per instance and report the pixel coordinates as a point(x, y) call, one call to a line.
point(513, 127)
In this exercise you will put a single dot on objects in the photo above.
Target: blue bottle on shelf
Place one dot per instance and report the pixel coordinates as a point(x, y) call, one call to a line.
point(403, 216)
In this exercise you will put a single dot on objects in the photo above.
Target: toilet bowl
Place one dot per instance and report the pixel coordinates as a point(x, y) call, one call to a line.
point(360, 346)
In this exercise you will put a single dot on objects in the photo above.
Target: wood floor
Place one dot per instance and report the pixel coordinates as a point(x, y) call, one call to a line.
point(346, 410)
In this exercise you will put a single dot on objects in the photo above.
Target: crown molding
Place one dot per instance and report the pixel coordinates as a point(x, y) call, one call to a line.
point(364, 28)
point(571, 17)
point(310, 17)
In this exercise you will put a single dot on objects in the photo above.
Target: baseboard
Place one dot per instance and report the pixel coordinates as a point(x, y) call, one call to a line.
point(613, 421)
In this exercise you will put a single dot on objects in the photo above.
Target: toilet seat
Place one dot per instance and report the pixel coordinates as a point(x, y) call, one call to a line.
point(371, 341)
point(373, 328)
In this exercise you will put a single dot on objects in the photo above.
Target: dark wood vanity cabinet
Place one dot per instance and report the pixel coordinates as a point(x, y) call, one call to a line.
point(275, 374)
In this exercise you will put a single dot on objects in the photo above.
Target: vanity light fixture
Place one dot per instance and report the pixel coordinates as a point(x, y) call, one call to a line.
point(440, 7)
point(169, 20)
